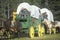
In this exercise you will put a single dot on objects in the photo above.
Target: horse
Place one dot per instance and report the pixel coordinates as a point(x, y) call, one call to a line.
point(50, 26)
point(57, 25)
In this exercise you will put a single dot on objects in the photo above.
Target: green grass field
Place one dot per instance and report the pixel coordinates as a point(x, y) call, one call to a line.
point(45, 37)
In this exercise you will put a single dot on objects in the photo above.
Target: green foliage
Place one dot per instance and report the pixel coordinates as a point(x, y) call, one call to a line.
point(3, 17)
point(52, 4)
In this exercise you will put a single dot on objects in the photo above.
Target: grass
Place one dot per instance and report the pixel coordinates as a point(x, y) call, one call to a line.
point(45, 37)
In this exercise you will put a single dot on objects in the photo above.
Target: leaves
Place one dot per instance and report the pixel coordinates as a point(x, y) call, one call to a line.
point(52, 5)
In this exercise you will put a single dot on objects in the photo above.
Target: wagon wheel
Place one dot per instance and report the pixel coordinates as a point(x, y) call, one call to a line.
point(39, 30)
point(31, 32)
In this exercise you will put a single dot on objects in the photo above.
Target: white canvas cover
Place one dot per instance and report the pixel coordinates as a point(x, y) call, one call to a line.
point(35, 11)
point(49, 13)
point(23, 6)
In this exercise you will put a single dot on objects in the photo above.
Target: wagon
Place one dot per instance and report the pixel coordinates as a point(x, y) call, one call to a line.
point(30, 25)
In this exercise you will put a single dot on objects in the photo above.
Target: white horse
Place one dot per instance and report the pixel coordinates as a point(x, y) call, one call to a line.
point(50, 26)
point(57, 26)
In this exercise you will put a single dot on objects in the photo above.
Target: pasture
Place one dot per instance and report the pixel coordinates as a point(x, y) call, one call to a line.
point(45, 37)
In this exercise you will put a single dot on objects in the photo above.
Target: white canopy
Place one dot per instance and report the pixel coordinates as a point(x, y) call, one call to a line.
point(22, 6)
point(49, 13)
point(35, 11)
